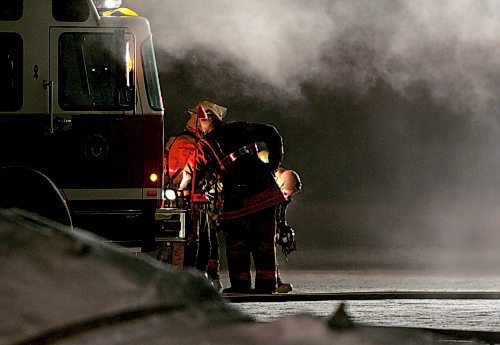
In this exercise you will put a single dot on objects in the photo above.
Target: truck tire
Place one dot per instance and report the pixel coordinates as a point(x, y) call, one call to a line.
point(30, 190)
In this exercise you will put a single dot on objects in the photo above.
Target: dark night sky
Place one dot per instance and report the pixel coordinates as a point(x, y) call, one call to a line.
point(389, 109)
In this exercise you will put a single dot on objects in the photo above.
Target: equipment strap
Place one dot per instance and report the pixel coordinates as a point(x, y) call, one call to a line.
point(242, 151)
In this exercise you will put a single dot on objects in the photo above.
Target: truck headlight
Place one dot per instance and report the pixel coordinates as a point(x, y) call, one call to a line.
point(170, 194)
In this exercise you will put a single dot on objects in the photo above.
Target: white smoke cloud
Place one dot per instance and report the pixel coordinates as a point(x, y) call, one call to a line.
point(445, 171)
point(452, 46)
point(274, 41)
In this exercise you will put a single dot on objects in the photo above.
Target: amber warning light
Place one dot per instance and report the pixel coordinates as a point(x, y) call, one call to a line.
point(153, 177)
point(152, 192)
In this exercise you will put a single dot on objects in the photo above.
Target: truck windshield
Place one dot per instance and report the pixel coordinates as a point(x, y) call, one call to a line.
point(151, 75)
point(95, 72)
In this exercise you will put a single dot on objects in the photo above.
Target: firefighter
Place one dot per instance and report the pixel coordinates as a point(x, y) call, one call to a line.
point(179, 149)
point(250, 196)
point(289, 183)
point(202, 246)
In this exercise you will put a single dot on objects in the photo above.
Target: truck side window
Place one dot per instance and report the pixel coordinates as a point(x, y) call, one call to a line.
point(70, 11)
point(92, 72)
point(11, 10)
point(151, 75)
point(11, 71)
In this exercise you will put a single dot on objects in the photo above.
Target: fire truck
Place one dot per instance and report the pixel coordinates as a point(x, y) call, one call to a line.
point(81, 119)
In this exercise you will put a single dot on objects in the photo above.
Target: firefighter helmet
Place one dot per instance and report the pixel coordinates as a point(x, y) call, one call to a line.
point(210, 107)
point(288, 181)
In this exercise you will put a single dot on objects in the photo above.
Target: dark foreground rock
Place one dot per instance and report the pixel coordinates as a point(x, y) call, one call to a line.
point(63, 286)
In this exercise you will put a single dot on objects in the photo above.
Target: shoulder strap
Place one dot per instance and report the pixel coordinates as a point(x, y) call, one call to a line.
point(216, 151)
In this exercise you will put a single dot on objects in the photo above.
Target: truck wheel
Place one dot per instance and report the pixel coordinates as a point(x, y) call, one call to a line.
point(30, 190)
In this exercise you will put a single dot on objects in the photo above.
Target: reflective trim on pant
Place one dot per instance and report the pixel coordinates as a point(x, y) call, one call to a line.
point(265, 280)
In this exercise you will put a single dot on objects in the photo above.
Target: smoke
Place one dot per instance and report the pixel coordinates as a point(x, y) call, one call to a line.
point(450, 46)
point(389, 108)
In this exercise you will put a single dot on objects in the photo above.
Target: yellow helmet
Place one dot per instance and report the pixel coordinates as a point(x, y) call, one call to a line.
point(215, 109)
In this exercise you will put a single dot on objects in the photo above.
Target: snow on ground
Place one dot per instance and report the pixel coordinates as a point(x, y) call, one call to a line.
point(63, 286)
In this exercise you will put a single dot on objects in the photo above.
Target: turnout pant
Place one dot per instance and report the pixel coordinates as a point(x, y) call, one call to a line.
point(202, 246)
point(247, 237)
point(213, 266)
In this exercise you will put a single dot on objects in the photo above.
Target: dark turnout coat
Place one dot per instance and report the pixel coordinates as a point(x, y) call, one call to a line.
point(248, 183)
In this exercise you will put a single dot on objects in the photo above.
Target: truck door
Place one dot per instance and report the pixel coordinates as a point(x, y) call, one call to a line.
point(98, 137)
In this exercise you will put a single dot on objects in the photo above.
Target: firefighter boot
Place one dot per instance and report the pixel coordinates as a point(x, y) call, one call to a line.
point(216, 284)
point(284, 287)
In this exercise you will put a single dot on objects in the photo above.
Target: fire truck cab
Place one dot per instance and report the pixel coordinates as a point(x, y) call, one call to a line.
point(81, 112)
